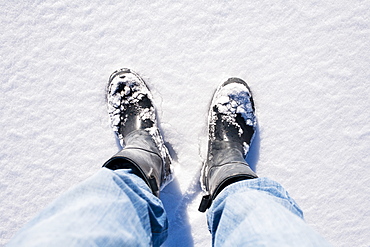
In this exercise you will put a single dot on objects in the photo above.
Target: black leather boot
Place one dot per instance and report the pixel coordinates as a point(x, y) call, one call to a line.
point(232, 124)
point(134, 120)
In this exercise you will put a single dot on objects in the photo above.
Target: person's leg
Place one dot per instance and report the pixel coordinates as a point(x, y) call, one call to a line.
point(259, 212)
point(244, 210)
point(112, 208)
point(119, 206)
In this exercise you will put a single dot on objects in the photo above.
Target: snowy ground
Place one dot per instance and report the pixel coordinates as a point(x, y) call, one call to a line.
point(307, 64)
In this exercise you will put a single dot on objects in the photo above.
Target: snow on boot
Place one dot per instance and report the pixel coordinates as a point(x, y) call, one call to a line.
point(232, 124)
point(133, 119)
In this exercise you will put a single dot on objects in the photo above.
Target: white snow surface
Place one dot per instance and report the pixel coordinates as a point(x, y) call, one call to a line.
point(307, 63)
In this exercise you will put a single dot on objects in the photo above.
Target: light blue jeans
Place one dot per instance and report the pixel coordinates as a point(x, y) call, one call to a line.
point(116, 208)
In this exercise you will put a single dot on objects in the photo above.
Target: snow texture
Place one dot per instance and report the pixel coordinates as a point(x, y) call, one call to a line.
point(307, 63)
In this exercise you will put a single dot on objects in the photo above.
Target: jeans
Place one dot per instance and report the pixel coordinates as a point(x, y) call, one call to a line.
point(117, 208)
point(259, 212)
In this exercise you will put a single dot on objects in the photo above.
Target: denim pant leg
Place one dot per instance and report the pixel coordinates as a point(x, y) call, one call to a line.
point(259, 212)
point(112, 208)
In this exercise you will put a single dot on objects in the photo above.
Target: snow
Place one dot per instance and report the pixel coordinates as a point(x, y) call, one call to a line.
point(307, 63)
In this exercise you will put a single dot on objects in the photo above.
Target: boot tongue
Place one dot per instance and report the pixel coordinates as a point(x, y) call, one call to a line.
point(236, 131)
point(138, 116)
point(223, 152)
point(225, 131)
point(141, 139)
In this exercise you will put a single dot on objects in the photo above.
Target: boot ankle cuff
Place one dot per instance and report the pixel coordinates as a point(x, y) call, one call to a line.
point(141, 162)
point(220, 177)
